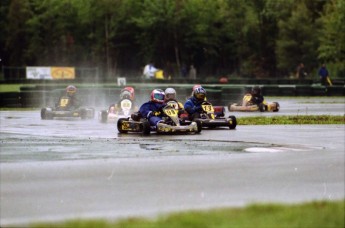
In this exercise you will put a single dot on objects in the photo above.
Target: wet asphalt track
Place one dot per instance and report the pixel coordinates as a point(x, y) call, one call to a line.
point(60, 169)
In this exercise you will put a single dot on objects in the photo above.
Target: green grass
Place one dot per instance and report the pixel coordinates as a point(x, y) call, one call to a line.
point(298, 119)
point(10, 87)
point(313, 214)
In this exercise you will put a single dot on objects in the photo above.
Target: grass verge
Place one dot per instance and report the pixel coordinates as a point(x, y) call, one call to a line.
point(282, 120)
point(312, 214)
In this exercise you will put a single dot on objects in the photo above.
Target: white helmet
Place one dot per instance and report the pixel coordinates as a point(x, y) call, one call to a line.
point(170, 94)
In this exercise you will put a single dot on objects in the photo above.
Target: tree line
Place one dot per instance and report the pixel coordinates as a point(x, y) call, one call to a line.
point(252, 38)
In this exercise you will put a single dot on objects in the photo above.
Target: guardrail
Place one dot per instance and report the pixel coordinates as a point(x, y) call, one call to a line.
point(47, 95)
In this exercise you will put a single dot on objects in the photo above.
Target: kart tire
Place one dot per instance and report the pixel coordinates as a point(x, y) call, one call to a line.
point(229, 107)
point(119, 125)
point(262, 107)
point(46, 114)
point(104, 116)
point(43, 113)
point(146, 127)
point(277, 107)
point(83, 114)
point(232, 122)
point(199, 125)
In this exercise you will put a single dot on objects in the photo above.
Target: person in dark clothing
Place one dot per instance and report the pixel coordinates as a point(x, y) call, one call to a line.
point(193, 104)
point(69, 100)
point(257, 97)
point(324, 75)
point(301, 73)
point(152, 110)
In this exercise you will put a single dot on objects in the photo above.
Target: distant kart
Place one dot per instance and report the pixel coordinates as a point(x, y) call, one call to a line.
point(247, 106)
point(171, 123)
point(63, 109)
point(210, 119)
point(114, 113)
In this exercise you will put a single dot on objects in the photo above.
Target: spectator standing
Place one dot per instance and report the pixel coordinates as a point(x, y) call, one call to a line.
point(149, 71)
point(324, 75)
point(301, 73)
point(184, 71)
point(192, 72)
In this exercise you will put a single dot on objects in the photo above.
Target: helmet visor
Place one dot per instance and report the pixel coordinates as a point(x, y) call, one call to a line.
point(158, 96)
point(170, 96)
point(125, 94)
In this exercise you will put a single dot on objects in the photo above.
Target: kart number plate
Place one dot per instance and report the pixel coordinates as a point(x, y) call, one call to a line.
point(64, 102)
point(208, 108)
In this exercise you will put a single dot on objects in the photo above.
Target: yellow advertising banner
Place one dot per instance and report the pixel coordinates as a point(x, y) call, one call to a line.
point(62, 72)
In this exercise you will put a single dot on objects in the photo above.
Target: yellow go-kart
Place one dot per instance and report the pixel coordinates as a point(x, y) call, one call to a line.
point(171, 123)
point(65, 109)
point(248, 106)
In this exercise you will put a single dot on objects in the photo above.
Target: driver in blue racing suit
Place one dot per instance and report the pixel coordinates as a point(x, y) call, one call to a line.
point(193, 104)
point(152, 110)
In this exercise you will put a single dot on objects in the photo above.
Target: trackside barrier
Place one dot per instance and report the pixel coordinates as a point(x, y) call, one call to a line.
point(41, 96)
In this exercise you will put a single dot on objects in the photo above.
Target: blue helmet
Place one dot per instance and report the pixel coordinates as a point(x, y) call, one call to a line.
point(199, 93)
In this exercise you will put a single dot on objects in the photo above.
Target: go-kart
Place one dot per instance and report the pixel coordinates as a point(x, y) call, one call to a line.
point(248, 106)
point(211, 119)
point(64, 109)
point(171, 123)
point(123, 110)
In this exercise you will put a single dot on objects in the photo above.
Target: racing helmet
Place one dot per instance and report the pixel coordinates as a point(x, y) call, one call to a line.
point(71, 90)
point(157, 96)
point(199, 93)
point(256, 90)
point(127, 93)
point(196, 86)
point(170, 94)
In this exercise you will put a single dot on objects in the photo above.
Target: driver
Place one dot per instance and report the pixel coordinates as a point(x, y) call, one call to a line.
point(73, 101)
point(195, 87)
point(257, 97)
point(126, 93)
point(193, 104)
point(170, 95)
point(152, 110)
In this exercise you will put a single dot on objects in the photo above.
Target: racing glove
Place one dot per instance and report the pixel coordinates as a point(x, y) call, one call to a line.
point(156, 113)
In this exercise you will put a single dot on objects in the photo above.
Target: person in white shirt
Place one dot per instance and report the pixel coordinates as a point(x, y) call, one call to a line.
point(149, 71)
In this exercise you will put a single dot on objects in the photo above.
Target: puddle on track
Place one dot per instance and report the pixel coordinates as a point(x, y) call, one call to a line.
point(40, 148)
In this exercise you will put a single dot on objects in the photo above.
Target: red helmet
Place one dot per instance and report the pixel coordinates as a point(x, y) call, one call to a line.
point(127, 93)
point(157, 96)
point(196, 86)
point(71, 90)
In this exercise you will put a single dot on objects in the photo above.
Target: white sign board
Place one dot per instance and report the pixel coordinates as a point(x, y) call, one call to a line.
point(38, 73)
point(121, 81)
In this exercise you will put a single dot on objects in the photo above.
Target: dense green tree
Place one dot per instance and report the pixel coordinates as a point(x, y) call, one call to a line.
point(332, 36)
point(254, 38)
point(298, 40)
point(17, 36)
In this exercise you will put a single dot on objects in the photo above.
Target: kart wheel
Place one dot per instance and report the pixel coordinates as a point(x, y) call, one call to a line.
point(46, 114)
point(83, 114)
point(262, 107)
point(229, 107)
point(43, 113)
point(104, 116)
point(199, 124)
point(277, 107)
point(119, 125)
point(232, 122)
point(146, 127)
